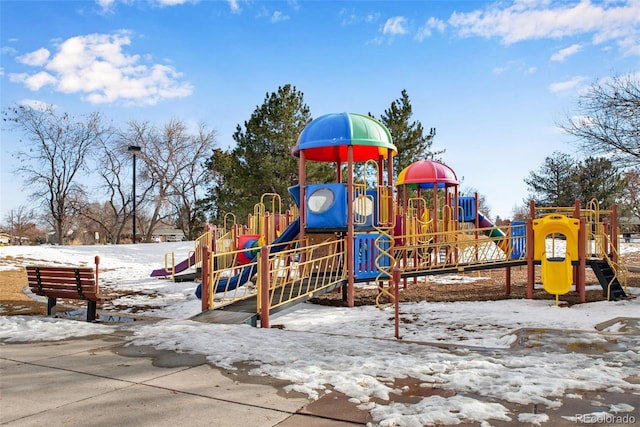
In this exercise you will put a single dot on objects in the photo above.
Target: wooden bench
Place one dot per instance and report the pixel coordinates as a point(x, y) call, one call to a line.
point(79, 283)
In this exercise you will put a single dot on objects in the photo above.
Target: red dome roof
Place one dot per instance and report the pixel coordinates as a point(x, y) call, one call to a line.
point(427, 174)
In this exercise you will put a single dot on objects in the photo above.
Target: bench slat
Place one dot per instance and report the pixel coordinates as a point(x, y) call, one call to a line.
point(72, 295)
point(68, 274)
point(44, 281)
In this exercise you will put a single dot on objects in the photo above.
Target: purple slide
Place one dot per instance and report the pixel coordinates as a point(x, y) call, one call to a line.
point(180, 267)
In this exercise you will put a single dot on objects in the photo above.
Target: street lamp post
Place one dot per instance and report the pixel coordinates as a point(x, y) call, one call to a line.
point(134, 149)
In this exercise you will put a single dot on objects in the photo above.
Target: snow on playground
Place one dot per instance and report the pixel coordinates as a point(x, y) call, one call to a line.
point(493, 354)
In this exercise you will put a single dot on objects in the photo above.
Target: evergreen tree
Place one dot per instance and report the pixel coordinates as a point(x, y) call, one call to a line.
point(561, 180)
point(554, 184)
point(262, 161)
point(221, 196)
point(408, 136)
point(598, 179)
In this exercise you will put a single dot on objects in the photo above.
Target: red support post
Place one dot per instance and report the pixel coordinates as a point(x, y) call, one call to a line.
point(96, 260)
point(396, 297)
point(582, 258)
point(507, 289)
point(263, 271)
point(579, 270)
point(206, 274)
point(531, 270)
point(349, 241)
point(615, 239)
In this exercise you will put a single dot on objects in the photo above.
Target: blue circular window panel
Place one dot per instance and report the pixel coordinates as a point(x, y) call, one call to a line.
point(321, 200)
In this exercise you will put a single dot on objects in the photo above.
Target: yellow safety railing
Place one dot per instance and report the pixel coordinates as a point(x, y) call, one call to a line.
point(301, 273)
point(296, 273)
point(455, 250)
point(385, 212)
point(362, 204)
point(204, 240)
point(229, 282)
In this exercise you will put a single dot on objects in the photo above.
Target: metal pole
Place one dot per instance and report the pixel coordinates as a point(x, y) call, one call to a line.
point(134, 198)
point(134, 149)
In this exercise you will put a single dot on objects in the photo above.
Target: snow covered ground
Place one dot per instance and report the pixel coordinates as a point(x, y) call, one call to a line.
point(493, 354)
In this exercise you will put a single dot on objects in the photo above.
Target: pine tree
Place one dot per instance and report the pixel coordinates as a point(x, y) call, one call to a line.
point(554, 184)
point(408, 137)
point(561, 180)
point(262, 161)
point(598, 179)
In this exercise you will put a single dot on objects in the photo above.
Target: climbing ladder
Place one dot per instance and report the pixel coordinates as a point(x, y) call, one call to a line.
point(608, 279)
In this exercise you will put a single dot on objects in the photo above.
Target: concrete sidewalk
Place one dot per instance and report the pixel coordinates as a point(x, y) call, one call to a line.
point(99, 381)
point(96, 381)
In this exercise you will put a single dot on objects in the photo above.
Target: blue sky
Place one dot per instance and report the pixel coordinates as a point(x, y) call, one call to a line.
point(493, 77)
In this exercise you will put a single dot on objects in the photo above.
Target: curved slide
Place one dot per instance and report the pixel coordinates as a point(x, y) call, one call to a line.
point(277, 245)
point(179, 268)
point(492, 231)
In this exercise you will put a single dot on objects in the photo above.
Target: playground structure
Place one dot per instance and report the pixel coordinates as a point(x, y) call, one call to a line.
point(366, 228)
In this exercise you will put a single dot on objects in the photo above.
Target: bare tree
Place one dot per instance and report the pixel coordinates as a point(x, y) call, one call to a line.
point(54, 154)
point(190, 181)
point(114, 213)
point(172, 170)
point(21, 224)
point(608, 120)
point(631, 194)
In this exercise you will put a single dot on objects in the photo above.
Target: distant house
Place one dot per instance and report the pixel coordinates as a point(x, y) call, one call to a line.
point(629, 223)
point(168, 234)
point(5, 239)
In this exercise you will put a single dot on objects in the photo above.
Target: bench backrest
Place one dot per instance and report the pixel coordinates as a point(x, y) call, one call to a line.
point(63, 282)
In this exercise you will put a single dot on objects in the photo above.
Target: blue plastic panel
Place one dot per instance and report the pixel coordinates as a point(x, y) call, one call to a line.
point(333, 215)
point(518, 239)
point(365, 253)
point(327, 208)
point(467, 205)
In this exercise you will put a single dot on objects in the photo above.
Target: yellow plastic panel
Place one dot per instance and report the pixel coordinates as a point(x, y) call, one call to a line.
point(555, 224)
point(557, 275)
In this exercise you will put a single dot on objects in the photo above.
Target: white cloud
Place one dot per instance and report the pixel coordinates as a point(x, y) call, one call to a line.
point(108, 5)
point(293, 4)
point(278, 16)
point(163, 3)
point(34, 81)
point(499, 70)
point(514, 66)
point(36, 58)
point(8, 50)
point(105, 5)
point(427, 29)
point(567, 85)
point(563, 54)
point(395, 26)
point(234, 5)
point(350, 17)
point(530, 19)
point(97, 67)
